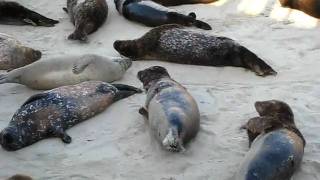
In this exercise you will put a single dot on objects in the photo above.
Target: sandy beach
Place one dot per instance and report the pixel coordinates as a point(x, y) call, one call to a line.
point(116, 144)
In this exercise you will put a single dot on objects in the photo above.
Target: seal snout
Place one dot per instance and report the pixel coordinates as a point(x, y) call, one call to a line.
point(9, 140)
point(37, 55)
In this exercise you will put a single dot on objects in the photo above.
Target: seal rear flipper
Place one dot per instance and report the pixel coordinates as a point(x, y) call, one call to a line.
point(123, 87)
point(12, 21)
point(35, 97)
point(202, 25)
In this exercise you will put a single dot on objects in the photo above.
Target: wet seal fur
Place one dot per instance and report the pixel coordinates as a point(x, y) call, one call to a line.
point(310, 7)
point(180, 2)
point(20, 177)
point(174, 43)
point(14, 55)
point(68, 70)
point(172, 113)
point(87, 17)
point(13, 13)
point(51, 113)
point(153, 14)
point(276, 145)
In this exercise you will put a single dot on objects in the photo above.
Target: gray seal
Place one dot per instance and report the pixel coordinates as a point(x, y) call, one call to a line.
point(276, 144)
point(172, 113)
point(174, 43)
point(87, 17)
point(51, 113)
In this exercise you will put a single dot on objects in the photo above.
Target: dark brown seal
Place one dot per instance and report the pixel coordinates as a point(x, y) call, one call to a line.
point(276, 144)
point(174, 43)
point(179, 2)
point(87, 17)
point(49, 114)
point(310, 7)
point(13, 13)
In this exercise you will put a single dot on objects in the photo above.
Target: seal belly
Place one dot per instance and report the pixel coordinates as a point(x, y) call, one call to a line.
point(273, 156)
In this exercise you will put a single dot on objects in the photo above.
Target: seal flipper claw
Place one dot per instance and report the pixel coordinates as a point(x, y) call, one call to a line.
point(66, 138)
point(60, 133)
point(79, 67)
point(3, 78)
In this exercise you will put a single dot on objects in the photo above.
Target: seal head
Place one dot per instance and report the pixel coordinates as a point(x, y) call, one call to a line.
point(151, 74)
point(11, 139)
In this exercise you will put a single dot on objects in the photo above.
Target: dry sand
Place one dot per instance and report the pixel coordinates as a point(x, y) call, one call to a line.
point(117, 145)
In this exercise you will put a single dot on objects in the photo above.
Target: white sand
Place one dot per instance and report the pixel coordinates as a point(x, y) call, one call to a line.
point(117, 145)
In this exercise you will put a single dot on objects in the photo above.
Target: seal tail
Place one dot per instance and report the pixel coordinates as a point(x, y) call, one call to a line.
point(125, 91)
point(202, 25)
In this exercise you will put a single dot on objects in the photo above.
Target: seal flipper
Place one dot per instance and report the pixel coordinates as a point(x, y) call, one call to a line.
point(60, 133)
point(125, 91)
point(35, 97)
point(202, 25)
point(144, 112)
point(79, 67)
point(66, 10)
point(29, 21)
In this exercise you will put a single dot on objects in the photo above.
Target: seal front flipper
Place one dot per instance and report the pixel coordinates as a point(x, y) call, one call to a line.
point(60, 133)
point(80, 66)
point(144, 112)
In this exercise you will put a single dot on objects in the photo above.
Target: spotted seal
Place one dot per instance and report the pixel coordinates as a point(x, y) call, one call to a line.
point(87, 17)
point(310, 7)
point(13, 13)
point(172, 113)
point(14, 55)
point(276, 145)
point(174, 43)
point(179, 2)
point(68, 70)
point(153, 14)
point(51, 113)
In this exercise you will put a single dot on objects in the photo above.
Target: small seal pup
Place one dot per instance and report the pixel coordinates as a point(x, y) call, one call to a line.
point(172, 113)
point(13, 13)
point(174, 43)
point(179, 2)
point(87, 17)
point(276, 144)
point(153, 14)
point(51, 113)
point(20, 177)
point(14, 55)
point(310, 7)
point(67, 70)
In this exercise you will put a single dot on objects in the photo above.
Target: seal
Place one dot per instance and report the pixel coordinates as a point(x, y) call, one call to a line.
point(51, 113)
point(13, 13)
point(179, 2)
point(67, 70)
point(310, 7)
point(20, 177)
point(14, 55)
point(153, 14)
point(174, 43)
point(87, 17)
point(276, 145)
point(172, 113)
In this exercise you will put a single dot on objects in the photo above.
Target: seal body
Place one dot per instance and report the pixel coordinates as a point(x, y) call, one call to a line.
point(153, 14)
point(49, 114)
point(173, 43)
point(179, 2)
point(172, 112)
point(277, 146)
point(310, 7)
point(14, 55)
point(12, 13)
point(87, 16)
point(69, 70)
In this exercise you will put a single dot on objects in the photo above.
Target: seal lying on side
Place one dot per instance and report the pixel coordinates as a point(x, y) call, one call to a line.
point(49, 114)
point(277, 146)
point(173, 43)
point(179, 2)
point(13, 55)
point(172, 112)
point(87, 17)
point(310, 7)
point(152, 14)
point(69, 70)
point(12, 13)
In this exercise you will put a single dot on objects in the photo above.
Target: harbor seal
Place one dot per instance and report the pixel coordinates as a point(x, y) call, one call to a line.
point(310, 7)
point(174, 43)
point(179, 2)
point(14, 55)
point(13, 13)
point(153, 14)
point(51, 113)
point(276, 144)
point(67, 70)
point(87, 17)
point(172, 113)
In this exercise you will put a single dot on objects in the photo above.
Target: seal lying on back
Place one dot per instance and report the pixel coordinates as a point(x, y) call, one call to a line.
point(172, 112)
point(12, 13)
point(173, 43)
point(179, 2)
point(277, 146)
point(69, 70)
point(13, 55)
point(152, 14)
point(49, 114)
point(87, 17)
point(310, 7)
